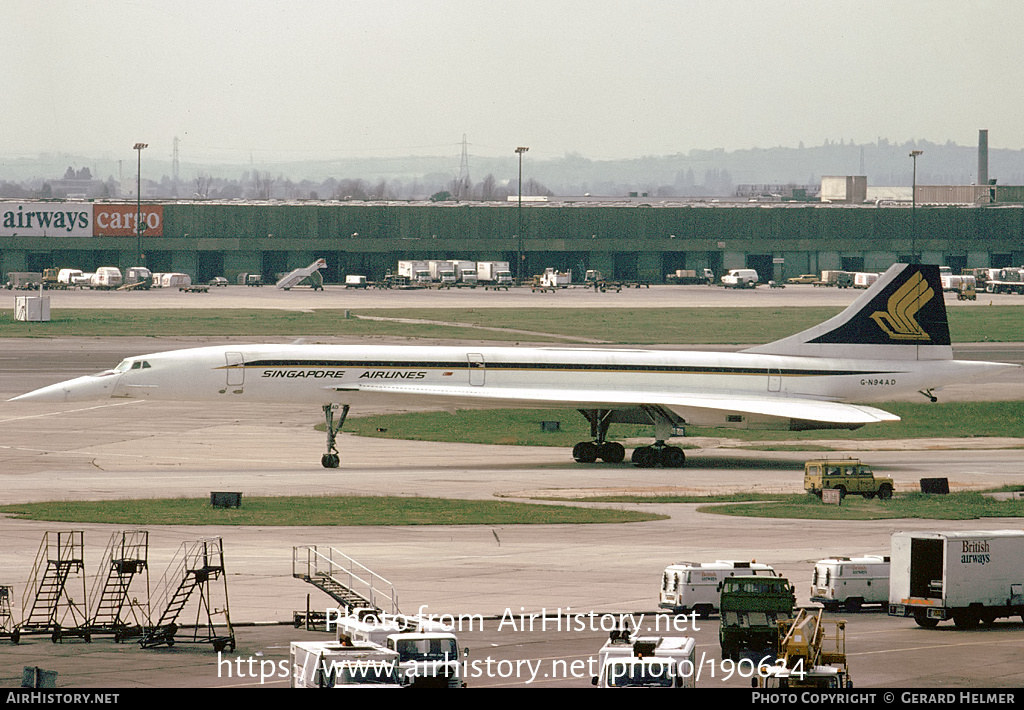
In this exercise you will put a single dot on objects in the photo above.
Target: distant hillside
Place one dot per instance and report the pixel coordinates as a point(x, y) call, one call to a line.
point(698, 172)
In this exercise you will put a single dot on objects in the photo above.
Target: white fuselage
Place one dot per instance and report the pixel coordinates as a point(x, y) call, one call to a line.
point(455, 377)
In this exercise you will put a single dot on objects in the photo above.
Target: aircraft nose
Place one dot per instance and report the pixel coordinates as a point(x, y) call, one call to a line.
point(85, 388)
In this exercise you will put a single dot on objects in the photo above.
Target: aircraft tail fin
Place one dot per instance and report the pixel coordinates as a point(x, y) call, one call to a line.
point(902, 316)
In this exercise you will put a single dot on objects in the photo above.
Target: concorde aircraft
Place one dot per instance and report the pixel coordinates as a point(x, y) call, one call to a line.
point(892, 340)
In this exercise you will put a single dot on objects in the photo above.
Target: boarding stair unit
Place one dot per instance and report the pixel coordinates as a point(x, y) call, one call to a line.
point(349, 583)
point(195, 570)
point(297, 276)
point(114, 609)
point(8, 627)
point(57, 576)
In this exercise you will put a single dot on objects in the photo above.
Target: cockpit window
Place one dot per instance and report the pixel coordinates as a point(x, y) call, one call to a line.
point(131, 365)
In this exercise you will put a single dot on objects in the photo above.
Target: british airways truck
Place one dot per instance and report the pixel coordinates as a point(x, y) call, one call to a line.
point(968, 576)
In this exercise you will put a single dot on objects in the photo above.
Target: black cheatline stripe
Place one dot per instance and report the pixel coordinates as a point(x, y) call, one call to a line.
point(552, 366)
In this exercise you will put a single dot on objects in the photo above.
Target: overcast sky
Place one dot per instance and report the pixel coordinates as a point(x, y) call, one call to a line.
point(268, 80)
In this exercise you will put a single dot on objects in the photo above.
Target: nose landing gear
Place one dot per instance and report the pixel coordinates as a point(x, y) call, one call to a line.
point(331, 459)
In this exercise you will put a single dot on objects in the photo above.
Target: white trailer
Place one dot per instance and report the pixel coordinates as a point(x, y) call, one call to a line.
point(968, 576)
point(328, 664)
point(693, 586)
point(850, 582)
point(627, 661)
point(355, 281)
point(418, 272)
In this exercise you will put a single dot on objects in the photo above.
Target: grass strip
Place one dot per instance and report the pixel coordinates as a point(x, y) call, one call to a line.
point(321, 511)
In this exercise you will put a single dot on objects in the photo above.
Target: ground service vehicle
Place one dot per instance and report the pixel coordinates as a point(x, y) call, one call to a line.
point(751, 610)
point(107, 277)
point(694, 586)
point(740, 278)
point(839, 279)
point(329, 664)
point(802, 279)
point(848, 476)
point(627, 661)
point(442, 272)
point(428, 653)
point(465, 273)
point(418, 272)
point(809, 656)
point(355, 281)
point(968, 576)
point(968, 290)
point(1007, 280)
point(851, 582)
point(494, 273)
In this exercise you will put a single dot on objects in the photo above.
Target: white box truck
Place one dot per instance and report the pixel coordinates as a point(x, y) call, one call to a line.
point(851, 582)
point(465, 273)
point(693, 586)
point(627, 661)
point(329, 664)
point(442, 272)
point(968, 576)
point(494, 274)
point(418, 272)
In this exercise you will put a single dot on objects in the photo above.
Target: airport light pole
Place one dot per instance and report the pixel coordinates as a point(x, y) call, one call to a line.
point(519, 235)
point(138, 205)
point(913, 208)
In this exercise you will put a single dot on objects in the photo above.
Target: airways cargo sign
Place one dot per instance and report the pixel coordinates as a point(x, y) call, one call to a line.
point(120, 220)
point(73, 219)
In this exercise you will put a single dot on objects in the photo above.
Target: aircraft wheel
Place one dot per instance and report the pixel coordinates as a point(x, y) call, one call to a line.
point(330, 461)
point(612, 452)
point(585, 452)
point(673, 457)
point(644, 457)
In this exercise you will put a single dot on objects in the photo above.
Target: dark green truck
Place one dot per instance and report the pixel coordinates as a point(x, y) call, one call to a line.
point(750, 610)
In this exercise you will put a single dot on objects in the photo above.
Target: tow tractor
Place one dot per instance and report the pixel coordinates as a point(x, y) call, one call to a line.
point(812, 654)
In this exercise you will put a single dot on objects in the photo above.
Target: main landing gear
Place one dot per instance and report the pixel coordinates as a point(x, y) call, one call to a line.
point(659, 454)
point(331, 458)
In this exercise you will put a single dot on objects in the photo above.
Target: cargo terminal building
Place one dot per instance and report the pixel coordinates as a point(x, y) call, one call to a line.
point(632, 239)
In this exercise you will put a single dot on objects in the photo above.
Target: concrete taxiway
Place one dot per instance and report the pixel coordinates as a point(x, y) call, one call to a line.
point(502, 573)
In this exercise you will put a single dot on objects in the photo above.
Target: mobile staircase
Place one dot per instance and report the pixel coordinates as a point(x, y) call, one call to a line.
point(7, 626)
point(311, 272)
point(58, 570)
point(349, 583)
point(195, 568)
point(115, 611)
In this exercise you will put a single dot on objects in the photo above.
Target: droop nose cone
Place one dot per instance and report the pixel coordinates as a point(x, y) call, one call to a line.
point(79, 389)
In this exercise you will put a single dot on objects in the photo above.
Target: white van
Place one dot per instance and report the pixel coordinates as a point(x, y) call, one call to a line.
point(107, 277)
point(740, 278)
point(851, 582)
point(693, 586)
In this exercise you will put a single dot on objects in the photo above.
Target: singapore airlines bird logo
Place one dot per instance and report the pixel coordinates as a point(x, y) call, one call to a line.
point(898, 320)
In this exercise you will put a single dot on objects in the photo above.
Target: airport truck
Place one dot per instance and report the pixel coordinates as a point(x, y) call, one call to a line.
point(751, 609)
point(968, 576)
point(329, 664)
point(465, 273)
point(494, 274)
point(428, 651)
point(418, 272)
point(850, 582)
point(740, 278)
point(694, 586)
point(630, 661)
point(812, 654)
point(442, 272)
